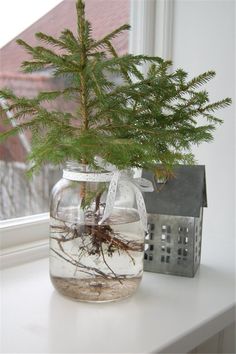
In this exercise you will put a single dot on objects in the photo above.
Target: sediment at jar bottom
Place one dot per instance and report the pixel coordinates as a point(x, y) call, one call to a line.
point(92, 262)
point(96, 289)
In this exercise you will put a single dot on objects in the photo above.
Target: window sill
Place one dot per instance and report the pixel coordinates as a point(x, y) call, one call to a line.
point(23, 239)
point(168, 314)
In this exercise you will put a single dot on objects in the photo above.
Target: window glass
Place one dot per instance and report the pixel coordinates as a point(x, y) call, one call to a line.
point(20, 196)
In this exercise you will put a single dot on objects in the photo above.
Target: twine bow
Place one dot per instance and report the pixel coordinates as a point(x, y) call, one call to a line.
point(115, 177)
point(138, 184)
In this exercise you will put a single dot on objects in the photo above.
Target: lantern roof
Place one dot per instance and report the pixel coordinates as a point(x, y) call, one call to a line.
point(182, 195)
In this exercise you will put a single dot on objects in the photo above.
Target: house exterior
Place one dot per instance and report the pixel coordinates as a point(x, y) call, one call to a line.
point(105, 16)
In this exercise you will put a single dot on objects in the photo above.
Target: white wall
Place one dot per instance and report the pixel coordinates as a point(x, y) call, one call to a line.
point(203, 39)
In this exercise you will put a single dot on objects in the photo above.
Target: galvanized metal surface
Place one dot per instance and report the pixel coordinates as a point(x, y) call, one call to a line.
point(173, 244)
point(183, 195)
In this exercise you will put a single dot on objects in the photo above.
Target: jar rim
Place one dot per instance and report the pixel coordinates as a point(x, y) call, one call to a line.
point(76, 166)
point(72, 165)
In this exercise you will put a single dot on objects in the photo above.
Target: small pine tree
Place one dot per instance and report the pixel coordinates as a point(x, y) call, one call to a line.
point(139, 123)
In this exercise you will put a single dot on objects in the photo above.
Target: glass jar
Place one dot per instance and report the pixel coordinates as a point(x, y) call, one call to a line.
point(94, 257)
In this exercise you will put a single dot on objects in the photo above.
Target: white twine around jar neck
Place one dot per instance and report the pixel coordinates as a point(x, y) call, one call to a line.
point(115, 177)
point(88, 176)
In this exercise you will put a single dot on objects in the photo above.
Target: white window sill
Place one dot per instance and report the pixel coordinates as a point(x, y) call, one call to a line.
point(168, 314)
point(23, 239)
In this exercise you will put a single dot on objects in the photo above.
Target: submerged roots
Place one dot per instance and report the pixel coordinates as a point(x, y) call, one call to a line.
point(99, 241)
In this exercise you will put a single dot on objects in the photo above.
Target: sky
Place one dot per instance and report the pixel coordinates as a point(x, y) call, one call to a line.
point(17, 15)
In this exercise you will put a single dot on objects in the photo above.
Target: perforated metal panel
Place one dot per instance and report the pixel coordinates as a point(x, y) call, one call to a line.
point(173, 244)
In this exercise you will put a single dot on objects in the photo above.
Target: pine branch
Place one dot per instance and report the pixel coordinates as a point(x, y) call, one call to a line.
point(52, 95)
point(32, 66)
point(217, 105)
point(107, 39)
point(45, 56)
point(70, 41)
point(83, 98)
point(134, 124)
point(51, 40)
point(201, 79)
point(7, 94)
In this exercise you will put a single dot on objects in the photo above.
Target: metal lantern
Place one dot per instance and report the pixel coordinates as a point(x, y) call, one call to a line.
point(175, 213)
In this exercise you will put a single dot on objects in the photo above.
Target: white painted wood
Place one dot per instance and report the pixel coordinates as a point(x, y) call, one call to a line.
point(142, 33)
point(210, 346)
point(24, 253)
point(223, 342)
point(164, 18)
point(220, 341)
point(142, 21)
point(229, 339)
point(23, 239)
point(151, 28)
point(168, 314)
point(19, 231)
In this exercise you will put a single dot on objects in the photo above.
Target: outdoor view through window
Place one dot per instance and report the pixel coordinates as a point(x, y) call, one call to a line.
point(20, 196)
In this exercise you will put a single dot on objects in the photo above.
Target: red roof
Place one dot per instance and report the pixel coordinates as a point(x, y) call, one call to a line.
point(104, 15)
point(12, 149)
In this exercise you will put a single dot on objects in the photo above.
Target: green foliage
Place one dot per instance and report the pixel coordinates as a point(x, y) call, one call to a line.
point(139, 123)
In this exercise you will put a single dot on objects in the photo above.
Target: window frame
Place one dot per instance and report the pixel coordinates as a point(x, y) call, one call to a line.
point(23, 239)
point(26, 238)
point(152, 22)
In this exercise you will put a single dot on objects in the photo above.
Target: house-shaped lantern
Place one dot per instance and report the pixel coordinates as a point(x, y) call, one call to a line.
point(175, 213)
